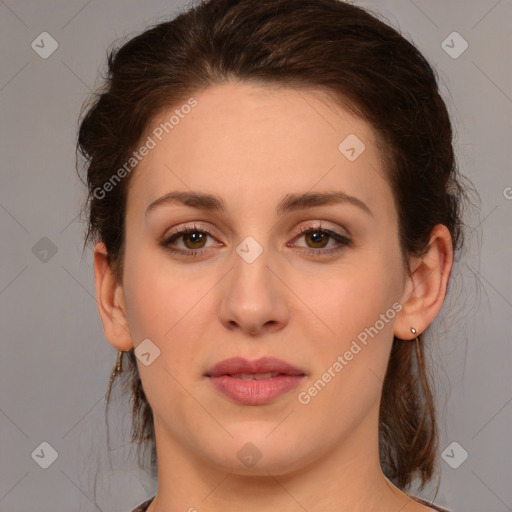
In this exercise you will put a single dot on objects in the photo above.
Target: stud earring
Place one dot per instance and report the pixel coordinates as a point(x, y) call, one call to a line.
point(413, 330)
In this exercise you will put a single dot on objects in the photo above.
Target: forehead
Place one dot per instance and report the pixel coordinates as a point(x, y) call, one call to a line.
point(246, 141)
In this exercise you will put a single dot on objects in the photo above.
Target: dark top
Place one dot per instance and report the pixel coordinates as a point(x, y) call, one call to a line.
point(144, 506)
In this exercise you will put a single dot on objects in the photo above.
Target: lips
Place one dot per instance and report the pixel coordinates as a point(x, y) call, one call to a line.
point(254, 382)
point(239, 365)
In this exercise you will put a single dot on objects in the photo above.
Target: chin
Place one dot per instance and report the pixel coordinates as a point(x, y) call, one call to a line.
point(258, 454)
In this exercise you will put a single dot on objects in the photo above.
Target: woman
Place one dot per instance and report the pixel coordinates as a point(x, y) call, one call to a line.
point(275, 208)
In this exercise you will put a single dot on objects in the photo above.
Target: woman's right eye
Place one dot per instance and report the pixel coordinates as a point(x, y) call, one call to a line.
point(193, 239)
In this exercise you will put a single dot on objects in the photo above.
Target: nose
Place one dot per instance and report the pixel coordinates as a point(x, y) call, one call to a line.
point(253, 298)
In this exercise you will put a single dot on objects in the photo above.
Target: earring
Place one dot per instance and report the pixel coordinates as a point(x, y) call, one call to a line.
point(118, 367)
point(413, 330)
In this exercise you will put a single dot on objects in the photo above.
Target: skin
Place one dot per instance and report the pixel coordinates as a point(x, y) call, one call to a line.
point(252, 145)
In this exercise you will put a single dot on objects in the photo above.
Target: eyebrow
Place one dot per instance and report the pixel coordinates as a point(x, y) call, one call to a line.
point(289, 203)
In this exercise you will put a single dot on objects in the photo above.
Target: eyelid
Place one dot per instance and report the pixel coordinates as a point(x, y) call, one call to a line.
point(188, 227)
point(320, 225)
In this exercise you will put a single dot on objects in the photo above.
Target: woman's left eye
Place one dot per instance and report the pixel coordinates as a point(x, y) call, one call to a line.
point(194, 240)
point(319, 235)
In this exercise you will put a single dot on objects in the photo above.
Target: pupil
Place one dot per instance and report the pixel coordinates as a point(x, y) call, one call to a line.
point(195, 237)
point(317, 236)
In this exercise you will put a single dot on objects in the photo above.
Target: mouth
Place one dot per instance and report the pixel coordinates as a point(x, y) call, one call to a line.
point(255, 376)
point(254, 382)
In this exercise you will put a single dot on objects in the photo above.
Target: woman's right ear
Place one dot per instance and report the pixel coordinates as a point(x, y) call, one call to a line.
point(110, 300)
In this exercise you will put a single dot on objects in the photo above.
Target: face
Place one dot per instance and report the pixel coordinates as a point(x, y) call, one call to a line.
point(263, 272)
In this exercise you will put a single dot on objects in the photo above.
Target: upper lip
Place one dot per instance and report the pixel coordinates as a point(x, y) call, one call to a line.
point(237, 365)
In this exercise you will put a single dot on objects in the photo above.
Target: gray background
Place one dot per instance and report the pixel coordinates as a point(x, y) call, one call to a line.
point(55, 362)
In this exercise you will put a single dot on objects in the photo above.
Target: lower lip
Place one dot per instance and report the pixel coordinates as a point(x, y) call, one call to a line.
point(255, 392)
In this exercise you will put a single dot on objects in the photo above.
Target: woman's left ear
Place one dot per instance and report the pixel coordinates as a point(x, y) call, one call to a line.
point(426, 285)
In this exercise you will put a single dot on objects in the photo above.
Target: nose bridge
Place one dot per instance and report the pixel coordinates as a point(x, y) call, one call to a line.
point(251, 279)
point(252, 296)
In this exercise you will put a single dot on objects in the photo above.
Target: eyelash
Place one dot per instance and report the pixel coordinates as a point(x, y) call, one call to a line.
point(343, 241)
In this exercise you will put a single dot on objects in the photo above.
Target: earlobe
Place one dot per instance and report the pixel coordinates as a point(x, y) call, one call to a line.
point(110, 300)
point(426, 286)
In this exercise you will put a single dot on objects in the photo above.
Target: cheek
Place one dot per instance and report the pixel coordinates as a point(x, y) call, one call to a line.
point(163, 303)
point(160, 307)
point(351, 357)
point(357, 306)
point(346, 299)
point(151, 305)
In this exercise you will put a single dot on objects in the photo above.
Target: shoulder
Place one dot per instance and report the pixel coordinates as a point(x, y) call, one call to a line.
point(143, 506)
point(427, 505)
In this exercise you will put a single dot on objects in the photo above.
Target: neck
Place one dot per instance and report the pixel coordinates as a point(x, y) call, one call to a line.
point(348, 478)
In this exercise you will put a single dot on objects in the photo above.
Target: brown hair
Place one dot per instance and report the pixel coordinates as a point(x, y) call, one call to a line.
point(367, 67)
